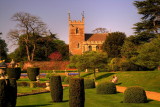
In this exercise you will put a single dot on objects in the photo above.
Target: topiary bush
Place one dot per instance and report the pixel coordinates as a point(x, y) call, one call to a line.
point(106, 88)
point(135, 94)
point(89, 83)
point(56, 88)
point(12, 93)
point(14, 73)
point(3, 93)
point(76, 92)
point(32, 73)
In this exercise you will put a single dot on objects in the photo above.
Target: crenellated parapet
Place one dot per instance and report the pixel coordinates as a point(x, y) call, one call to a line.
point(76, 22)
point(93, 42)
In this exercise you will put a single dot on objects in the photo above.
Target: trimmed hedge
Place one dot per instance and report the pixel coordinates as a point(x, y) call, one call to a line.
point(89, 83)
point(14, 73)
point(106, 88)
point(32, 73)
point(3, 93)
point(135, 94)
point(76, 92)
point(12, 93)
point(56, 88)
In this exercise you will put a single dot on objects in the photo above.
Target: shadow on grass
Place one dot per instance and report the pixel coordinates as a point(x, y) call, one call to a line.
point(59, 102)
point(34, 105)
point(87, 74)
point(118, 83)
point(104, 76)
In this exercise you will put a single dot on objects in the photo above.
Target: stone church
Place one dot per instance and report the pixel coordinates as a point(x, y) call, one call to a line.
point(79, 41)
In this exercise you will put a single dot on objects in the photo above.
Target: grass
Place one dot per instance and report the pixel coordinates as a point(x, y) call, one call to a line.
point(149, 80)
point(26, 89)
point(92, 100)
point(28, 80)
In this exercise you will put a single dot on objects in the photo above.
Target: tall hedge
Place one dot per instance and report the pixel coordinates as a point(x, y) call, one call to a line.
point(32, 72)
point(89, 83)
point(56, 88)
point(14, 73)
point(76, 92)
point(3, 93)
point(12, 93)
point(135, 94)
point(106, 88)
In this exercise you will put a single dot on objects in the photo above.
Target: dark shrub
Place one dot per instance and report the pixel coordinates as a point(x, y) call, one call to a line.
point(23, 84)
point(14, 73)
point(12, 93)
point(89, 83)
point(135, 95)
point(3, 93)
point(32, 73)
point(76, 92)
point(56, 88)
point(106, 88)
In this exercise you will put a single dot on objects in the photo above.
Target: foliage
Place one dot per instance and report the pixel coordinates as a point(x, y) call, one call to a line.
point(56, 56)
point(106, 88)
point(3, 93)
point(89, 83)
point(113, 44)
point(32, 73)
point(89, 60)
point(14, 73)
point(149, 54)
point(29, 29)
point(56, 89)
point(76, 92)
point(135, 94)
point(100, 30)
point(12, 93)
point(3, 49)
point(149, 9)
point(129, 49)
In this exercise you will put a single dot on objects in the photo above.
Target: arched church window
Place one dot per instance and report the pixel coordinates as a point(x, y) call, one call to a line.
point(77, 30)
point(97, 48)
point(90, 48)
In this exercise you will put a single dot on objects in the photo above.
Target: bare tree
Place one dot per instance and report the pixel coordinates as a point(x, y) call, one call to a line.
point(100, 30)
point(30, 26)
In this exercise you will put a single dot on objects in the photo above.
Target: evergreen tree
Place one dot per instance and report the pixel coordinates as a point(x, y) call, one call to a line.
point(150, 11)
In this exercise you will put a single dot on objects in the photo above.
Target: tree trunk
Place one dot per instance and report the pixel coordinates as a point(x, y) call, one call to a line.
point(94, 72)
point(33, 51)
point(28, 56)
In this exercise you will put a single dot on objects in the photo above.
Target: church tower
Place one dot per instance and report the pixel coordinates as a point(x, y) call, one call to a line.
point(76, 35)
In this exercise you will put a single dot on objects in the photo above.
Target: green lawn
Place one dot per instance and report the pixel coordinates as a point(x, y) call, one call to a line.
point(92, 100)
point(26, 89)
point(149, 80)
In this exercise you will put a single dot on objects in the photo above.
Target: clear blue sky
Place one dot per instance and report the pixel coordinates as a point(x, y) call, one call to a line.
point(115, 15)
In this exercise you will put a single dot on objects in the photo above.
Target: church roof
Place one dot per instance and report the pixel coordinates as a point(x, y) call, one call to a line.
point(95, 37)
